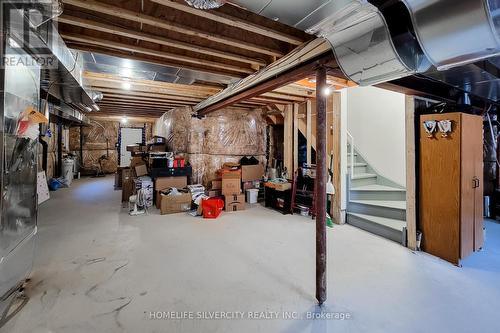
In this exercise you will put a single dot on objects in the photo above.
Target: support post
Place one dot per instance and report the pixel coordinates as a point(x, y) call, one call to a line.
point(288, 140)
point(295, 136)
point(309, 130)
point(321, 179)
point(411, 174)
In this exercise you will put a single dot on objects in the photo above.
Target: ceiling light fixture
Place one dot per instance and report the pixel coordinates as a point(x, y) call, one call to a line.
point(327, 91)
point(124, 120)
point(126, 85)
point(205, 4)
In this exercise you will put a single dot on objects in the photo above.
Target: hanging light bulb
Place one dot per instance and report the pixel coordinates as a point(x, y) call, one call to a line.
point(327, 91)
point(205, 4)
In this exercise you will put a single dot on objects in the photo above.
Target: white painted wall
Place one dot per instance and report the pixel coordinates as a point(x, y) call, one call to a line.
point(376, 120)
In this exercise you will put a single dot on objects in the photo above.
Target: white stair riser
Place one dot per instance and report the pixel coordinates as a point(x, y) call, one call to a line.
point(392, 213)
point(375, 228)
point(378, 195)
point(360, 169)
point(363, 181)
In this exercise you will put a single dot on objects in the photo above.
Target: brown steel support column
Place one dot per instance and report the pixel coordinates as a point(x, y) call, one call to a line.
point(321, 179)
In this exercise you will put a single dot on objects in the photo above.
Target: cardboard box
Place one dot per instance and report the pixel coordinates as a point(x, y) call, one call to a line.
point(128, 188)
point(216, 185)
point(251, 172)
point(158, 148)
point(279, 186)
point(231, 186)
point(136, 160)
point(171, 204)
point(158, 199)
point(234, 202)
point(162, 183)
point(248, 185)
point(230, 174)
point(141, 170)
point(135, 148)
point(213, 193)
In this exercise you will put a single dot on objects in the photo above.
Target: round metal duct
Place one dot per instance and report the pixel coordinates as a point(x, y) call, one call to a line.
point(362, 43)
point(456, 32)
point(206, 4)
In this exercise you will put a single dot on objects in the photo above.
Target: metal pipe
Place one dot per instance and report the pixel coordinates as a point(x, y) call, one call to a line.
point(45, 152)
point(59, 148)
point(321, 180)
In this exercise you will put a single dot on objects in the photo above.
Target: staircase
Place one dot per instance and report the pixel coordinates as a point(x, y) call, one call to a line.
point(375, 204)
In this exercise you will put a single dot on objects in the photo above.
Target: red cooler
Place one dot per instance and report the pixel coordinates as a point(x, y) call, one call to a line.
point(212, 207)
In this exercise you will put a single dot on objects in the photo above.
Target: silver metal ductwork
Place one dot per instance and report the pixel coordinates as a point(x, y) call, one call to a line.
point(363, 45)
point(453, 41)
point(456, 32)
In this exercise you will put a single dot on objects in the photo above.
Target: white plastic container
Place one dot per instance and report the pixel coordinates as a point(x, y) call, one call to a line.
point(67, 170)
point(252, 195)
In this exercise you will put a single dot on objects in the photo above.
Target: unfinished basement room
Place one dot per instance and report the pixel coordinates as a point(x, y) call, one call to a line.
point(250, 166)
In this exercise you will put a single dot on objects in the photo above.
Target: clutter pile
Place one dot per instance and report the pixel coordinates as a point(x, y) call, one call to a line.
point(162, 178)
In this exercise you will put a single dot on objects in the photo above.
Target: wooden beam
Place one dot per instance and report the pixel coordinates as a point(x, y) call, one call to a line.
point(299, 63)
point(309, 130)
point(139, 99)
point(101, 82)
point(232, 21)
point(411, 173)
point(162, 24)
point(321, 179)
point(283, 96)
point(271, 84)
point(295, 136)
point(111, 29)
point(336, 206)
point(288, 140)
point(162, 54)
point(150, 105)
point(141, 94)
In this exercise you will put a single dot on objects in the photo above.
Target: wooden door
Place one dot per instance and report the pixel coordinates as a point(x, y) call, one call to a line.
point(469, 183)
point(477, 138)
point(439, 193)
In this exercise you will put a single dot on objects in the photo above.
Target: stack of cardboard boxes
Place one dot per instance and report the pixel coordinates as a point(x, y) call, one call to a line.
point(233, 182)
point(231, 187)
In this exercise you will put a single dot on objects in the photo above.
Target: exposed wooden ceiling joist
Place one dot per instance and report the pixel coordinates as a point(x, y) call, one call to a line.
point(141, 94)
point(232, 21)
point(130, 15)
point(220, 68)
point(300, 63)
point(136, 99)
point(112, 29)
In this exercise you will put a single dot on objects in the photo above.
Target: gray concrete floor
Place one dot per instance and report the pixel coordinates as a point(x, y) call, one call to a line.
point(99, 270)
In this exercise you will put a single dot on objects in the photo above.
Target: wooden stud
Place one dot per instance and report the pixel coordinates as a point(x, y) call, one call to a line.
point(288, 140)
point(309, 130)
point(295, 136)
point(411, 174)
point(336, 207)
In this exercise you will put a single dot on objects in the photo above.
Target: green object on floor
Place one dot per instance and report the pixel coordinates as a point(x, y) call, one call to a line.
point(329, 222)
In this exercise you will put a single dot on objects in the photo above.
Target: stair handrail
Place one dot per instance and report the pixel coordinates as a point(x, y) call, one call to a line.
point(350, 139)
